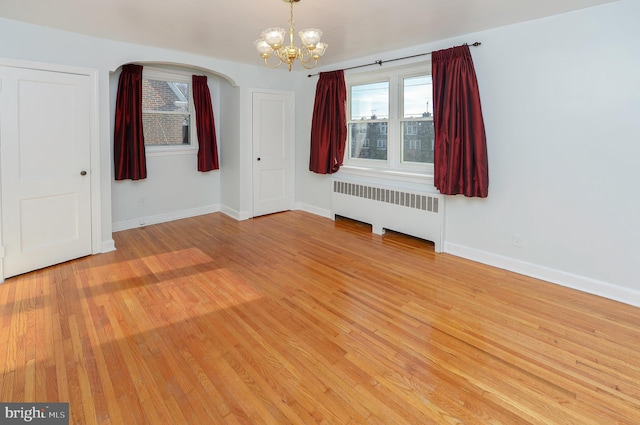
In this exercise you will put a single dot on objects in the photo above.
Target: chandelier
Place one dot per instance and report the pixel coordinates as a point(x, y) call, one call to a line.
point(272, 42)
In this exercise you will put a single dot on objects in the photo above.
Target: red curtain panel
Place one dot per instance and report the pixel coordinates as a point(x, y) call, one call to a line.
point(205, 125)
point(460, 148)
point(128, 138)
point(329, 123)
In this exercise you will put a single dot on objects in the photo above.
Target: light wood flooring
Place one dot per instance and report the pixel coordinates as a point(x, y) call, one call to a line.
point(295, 319)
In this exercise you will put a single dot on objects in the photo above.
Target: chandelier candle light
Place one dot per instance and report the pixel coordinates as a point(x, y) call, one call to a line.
point(272, 41)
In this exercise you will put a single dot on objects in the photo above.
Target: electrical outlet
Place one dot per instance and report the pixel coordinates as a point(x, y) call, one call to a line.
point(517, 240)
point(142, 201)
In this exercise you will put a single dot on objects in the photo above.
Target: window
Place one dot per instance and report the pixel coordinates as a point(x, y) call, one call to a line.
point(368, 118)
point(417, 120)
point(167, 110)
point(395, 109)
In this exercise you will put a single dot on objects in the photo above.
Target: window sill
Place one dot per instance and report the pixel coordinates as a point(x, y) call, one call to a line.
point(406, 179)
point(170, 150)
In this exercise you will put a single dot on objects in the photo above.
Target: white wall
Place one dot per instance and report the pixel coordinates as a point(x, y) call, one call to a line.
point(561, 104)
point(165, 198)
point(174, 188)
point(561, 100)
point(229, 152)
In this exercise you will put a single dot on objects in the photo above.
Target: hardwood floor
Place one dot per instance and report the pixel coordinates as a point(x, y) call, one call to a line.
point(293, 318)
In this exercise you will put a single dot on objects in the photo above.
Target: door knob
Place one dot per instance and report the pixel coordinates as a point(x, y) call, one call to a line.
point(83, 173)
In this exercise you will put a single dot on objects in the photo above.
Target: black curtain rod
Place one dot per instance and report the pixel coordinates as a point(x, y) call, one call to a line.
point(380, 62)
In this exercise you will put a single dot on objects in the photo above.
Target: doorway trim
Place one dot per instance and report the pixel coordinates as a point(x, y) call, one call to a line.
point(94, 146)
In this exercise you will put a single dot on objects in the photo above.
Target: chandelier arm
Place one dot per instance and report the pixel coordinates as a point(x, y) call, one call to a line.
point(304, 64)
point(283, 54)
point(305, 55)
point(266, 62)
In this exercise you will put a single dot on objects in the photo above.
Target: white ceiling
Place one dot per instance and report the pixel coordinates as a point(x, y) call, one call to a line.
point(227, 29)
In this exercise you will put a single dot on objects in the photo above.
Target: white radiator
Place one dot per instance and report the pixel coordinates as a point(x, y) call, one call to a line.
point(410, 212)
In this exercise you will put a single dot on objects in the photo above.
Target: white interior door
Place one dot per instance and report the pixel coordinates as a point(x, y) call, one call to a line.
point(273, 153)
point(45, 133)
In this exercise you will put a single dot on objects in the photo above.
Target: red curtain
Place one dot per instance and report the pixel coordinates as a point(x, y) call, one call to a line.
point(329, 123)
point(460, 150)
point(205, 125)
point(128, 138)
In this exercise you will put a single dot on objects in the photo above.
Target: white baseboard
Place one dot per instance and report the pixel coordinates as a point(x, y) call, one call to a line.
point(163, 218)
point(108, 246)
point(569, 280)
point(314, 210)
point(233, 213)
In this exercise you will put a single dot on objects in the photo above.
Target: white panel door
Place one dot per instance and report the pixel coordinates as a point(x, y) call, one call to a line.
point(273, 153)
point(45, 158)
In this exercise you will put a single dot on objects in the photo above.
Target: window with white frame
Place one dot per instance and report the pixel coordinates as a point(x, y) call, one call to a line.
point(395, 108)
point(168, 116)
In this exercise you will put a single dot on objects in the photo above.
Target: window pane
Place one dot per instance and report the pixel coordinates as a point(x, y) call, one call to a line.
point(368, 140)
point(418, 95)
point(165, 96)
point(370, 101)
point(165, 129)
point(417, 141)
